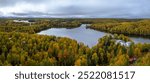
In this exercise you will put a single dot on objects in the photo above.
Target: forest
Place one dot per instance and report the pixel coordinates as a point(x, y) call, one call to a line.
point(21, 46)
point(8, 25)
point(138, 28)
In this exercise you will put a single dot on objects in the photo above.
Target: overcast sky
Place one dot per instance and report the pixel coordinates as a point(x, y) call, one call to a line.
point(76, 8)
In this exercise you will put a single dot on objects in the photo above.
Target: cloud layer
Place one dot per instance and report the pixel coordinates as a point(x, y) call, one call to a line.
point(76, 8)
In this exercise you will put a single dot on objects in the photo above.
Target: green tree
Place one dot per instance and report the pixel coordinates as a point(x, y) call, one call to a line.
point(95, 59)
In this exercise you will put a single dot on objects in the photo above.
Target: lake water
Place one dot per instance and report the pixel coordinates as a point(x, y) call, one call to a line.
point(82, 34)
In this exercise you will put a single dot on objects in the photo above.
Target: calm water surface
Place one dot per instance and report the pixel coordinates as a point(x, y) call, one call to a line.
point(82, 34)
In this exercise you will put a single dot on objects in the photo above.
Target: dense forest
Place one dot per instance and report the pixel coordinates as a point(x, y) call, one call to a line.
point(138, 28)
point(36, 25)
point(21, 46)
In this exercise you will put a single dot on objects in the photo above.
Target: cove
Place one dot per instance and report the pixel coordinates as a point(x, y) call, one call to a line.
point(86, 35)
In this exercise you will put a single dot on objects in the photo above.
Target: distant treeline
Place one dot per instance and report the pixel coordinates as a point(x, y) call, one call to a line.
point(38, 25)
point(138, 28)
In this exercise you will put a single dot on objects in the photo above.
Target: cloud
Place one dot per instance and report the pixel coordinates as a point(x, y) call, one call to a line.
point(77, 8)
point(4, 3)
point(1, 13)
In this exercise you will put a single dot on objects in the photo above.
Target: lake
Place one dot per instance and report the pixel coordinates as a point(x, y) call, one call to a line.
point(86, 35)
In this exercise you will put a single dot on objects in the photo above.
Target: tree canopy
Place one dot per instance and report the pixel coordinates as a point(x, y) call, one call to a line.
point(20, 46)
